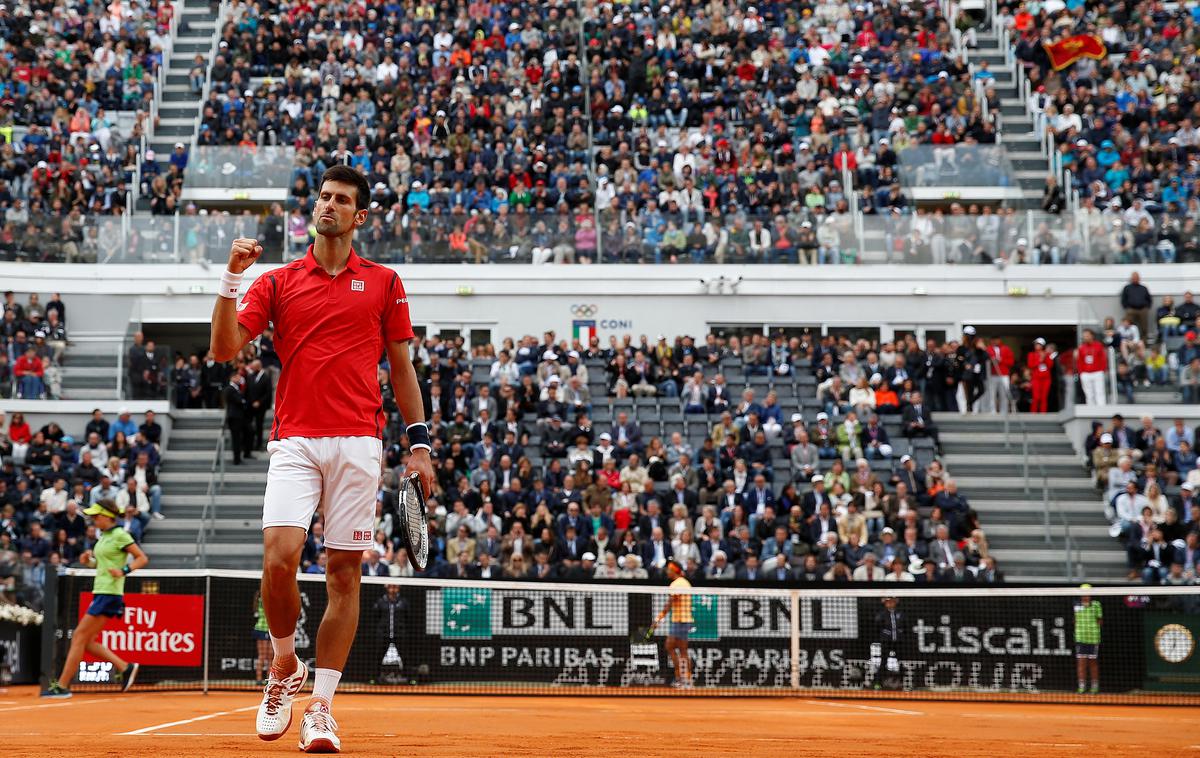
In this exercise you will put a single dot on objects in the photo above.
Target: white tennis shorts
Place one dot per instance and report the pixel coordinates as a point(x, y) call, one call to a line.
point(339, 475)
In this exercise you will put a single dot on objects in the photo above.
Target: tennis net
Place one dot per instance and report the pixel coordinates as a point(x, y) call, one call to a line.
point(194, 630)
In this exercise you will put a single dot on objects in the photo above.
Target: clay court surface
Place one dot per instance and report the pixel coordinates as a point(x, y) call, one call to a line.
point(221, 725)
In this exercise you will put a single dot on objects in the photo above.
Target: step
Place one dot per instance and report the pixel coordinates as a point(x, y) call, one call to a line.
point(951, 438)
point(182, 46)
point(177, 112)
point(1008, 459)
point(1081, 510)
point(1053, 555)
point(89, 394)
point(258, 464)
point(178, 131)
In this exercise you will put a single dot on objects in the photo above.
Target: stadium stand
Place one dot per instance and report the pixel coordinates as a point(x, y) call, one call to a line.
point(48, 476)
point(780, 389)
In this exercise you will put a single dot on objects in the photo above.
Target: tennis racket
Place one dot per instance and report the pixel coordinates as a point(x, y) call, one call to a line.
point(414, 527)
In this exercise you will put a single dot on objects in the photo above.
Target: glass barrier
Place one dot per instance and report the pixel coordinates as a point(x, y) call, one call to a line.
point(1012, 237)
point(231, 168)
point(955, 166)
point(965, 233)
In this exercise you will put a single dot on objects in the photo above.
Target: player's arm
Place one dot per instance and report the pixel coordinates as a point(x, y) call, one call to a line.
point(408, 399)
point(229, 336)
point(140, 560)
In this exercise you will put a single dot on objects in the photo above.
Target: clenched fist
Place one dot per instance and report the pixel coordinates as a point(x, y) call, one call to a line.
point(243, 253)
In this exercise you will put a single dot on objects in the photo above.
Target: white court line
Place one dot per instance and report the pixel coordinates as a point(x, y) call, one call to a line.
point(56, 704)
point(875, 708)
point(170, 724)
point(199, 734)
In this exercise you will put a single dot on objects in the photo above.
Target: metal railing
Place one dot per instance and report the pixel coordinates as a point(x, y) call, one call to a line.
point(1073, 567)
point(208, 517)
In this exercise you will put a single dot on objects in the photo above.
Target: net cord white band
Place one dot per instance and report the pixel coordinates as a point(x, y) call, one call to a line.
point(986, 592)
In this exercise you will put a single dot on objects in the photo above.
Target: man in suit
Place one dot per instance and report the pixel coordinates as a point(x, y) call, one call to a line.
point(489, 543)
point(461, 542)
point(626, 437)
point(651, 520)
point(874, 440)
point(757, 498)
point(1158, 557)
point(570, 548)
point(942, 550)
point(685, 470)
point(822, 524)
point(235, 418)
point(656, 551)
point(812, 500)
point(484, 402)
point(777, 569)
point(554, 439)
point(573, 518)
point(913, 479)
point(718, 395)
point(484, 426)
point(260, 396)
point(680, 494)
point(917, 421)
point(912, 546)
point(750, 570)
point(957, 572)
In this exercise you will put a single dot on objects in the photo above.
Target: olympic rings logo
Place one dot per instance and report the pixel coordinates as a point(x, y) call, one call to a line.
point(583, 311)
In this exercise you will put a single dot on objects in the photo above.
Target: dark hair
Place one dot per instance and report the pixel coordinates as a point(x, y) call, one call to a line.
point(343, 173)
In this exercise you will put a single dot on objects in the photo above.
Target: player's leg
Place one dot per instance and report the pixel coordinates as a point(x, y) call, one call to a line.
point(89, 626)
point(1094, 665)
point(263, 660)
point(335, 636)
point(293, 492)
point(673, 654)
point(1081, 671)
point(351, 468)
point(96, 650)
point(685, 668)
point(282, 546)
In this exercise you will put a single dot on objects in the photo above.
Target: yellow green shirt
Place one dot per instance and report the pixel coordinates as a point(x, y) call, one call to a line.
point(110, 554)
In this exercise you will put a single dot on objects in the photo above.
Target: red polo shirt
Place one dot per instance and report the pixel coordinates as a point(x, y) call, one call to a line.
point(330, 332)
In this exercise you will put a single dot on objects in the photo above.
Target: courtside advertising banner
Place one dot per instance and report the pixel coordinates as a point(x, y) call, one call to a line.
point(155, 630)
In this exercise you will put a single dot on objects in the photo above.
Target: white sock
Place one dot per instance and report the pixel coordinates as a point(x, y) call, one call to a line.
point(324, 685)
point(284, 646)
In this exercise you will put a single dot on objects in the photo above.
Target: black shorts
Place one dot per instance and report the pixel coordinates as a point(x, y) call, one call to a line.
point(112, 606)
point(1087, 650)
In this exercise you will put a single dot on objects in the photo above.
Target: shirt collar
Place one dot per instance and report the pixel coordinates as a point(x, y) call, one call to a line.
point(353, 263)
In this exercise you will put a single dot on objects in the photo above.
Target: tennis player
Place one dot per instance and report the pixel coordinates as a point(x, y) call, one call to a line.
point(262, 640)
point(679, 606)
point(334, 314)
point(110, 558)
point(1089, 615)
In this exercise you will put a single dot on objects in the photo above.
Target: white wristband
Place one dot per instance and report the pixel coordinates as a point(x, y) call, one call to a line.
point(230, 284)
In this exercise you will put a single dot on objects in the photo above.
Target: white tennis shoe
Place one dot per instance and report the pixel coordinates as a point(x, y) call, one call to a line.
point(318, 730)
point(275, 710)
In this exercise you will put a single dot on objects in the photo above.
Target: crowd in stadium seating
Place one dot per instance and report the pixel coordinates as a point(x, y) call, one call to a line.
point(1155, 346)
point(33, 337)
point(1125, 125)
point(1149, 478)
point(66, 74)
point(473, 124)
point(569, 460)
point(47, 478)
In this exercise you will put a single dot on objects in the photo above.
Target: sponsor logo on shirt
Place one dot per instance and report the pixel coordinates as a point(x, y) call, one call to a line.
point(358, 285)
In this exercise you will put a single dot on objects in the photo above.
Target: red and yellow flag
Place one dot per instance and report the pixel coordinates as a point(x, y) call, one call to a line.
point(1066, 51)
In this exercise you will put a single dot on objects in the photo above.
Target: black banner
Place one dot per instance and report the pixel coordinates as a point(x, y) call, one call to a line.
point(474, 636)
point(20, 648)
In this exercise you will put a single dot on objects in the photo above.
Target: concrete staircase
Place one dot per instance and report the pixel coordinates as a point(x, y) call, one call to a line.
point(185, 474)
point(180, 107)
point(91, 367)
point(992, 478)
point(1015, 126)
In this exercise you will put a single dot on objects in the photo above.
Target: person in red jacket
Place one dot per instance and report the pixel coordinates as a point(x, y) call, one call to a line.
point(1091, 362)
point(1000, 364)
point(28, 371)
point(1041, 372)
